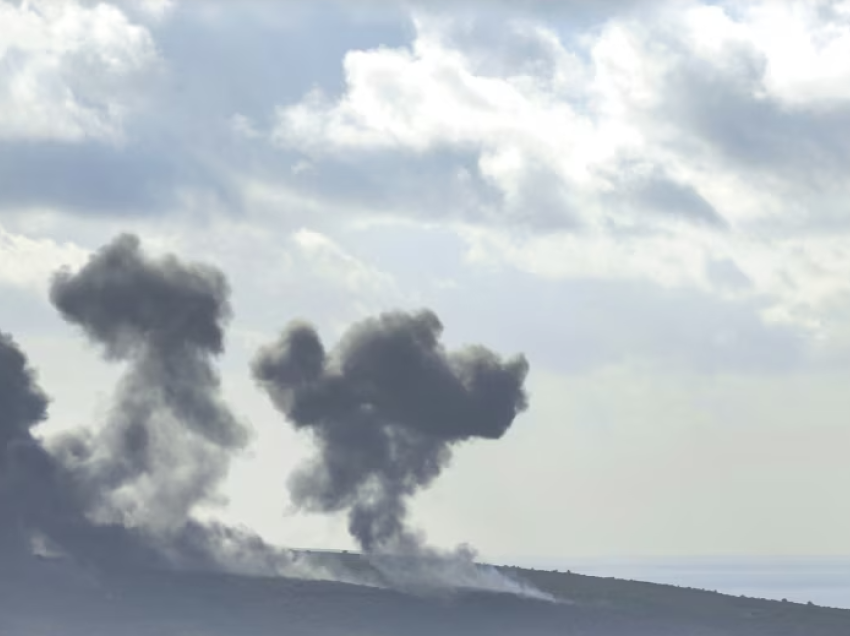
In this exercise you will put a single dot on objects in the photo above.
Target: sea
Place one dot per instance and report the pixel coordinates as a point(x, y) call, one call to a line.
point(823, 581)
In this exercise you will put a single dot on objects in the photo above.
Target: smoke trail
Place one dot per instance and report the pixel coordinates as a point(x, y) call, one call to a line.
point(169, 435)
point(385, 408)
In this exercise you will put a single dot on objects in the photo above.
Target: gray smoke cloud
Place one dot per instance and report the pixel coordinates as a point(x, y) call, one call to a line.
point(169, 436)
point(23, 405)
point(385, 408)
point(121, 495)
point(36, 495)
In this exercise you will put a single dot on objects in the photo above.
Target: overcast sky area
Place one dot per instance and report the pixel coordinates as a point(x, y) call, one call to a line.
point(647, 199)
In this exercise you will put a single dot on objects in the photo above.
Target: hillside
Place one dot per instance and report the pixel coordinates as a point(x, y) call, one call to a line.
point(57, 598)
point(703, 607)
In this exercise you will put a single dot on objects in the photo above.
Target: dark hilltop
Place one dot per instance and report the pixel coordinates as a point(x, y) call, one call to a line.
point(54, 597)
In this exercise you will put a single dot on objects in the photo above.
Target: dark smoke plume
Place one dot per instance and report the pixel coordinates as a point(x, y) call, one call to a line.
point(168, 438)
point(23, 405)
point(385, 408)
point(22, 402)
point(121, 496)
point(35, 494)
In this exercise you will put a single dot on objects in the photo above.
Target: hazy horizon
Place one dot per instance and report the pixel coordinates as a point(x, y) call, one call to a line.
point(824, 581)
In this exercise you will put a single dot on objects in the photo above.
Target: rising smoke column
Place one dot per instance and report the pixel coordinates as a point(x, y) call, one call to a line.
point(165, 444)
point(385, 408)
point(45, 498)
point(38, 497)
point(168, 438)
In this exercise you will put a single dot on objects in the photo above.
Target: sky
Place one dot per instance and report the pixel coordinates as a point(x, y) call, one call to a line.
point(646, 199)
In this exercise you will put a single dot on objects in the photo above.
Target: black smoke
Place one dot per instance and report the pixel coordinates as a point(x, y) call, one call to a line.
point(169, 435)
point(385, 407)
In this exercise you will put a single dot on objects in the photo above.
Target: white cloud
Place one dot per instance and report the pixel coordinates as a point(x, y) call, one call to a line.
point(666, 139)
point(429, 97)
point(573, 122)
point(29, 263)
point(800, 279)
point(157, 9)
point(64, 68)
point(243, 127)
point(335, 265)
point(807, 57)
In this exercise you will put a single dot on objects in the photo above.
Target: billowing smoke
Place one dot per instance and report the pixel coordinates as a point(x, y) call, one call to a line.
point(385, 407)
point(36, 495)
point(169, 436)
point(122, 494)
point(22, 406)
point(22, 402)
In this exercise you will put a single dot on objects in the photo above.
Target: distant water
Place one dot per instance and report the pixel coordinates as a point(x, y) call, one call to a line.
point(824, 581)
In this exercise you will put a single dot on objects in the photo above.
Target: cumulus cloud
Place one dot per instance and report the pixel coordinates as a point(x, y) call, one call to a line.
point(554, 138)
point(655, 145)
point(648, 140)
point(65, 67)
point(641, 117)
point(30, 262)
